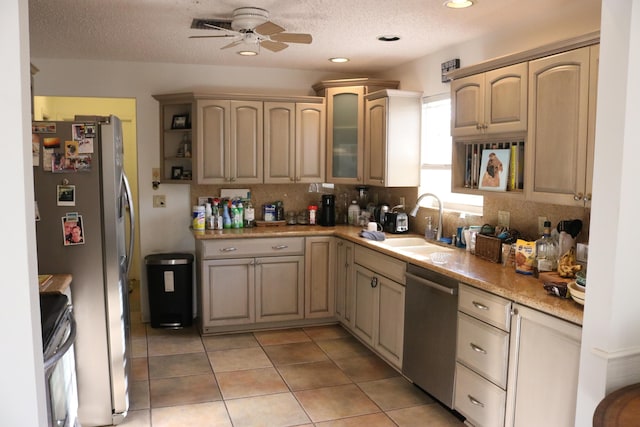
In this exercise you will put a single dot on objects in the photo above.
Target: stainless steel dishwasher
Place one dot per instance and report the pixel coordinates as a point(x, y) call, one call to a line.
point(430, 326)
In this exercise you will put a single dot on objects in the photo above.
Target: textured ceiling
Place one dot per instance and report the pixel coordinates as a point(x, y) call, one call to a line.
point(159, 30)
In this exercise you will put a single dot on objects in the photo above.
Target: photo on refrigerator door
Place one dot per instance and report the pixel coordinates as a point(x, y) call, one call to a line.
point(66, 195)
point(72, 229)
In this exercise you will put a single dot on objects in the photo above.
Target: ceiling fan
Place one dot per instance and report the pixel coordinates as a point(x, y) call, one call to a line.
point(250, 26)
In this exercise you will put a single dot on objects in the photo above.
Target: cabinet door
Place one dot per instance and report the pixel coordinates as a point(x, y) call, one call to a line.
point(467, 105)
point(344, 282)
point(390, 320)
point(279, 142)
point(319, 280)
point(558, 122)
point(345, 134)
point(544, 358)
point(505, 99)
point(279, 288)
point(375, 136)
point(365, 292)
point(591, 132)
point(213, 142)
point(246, 141)
point(310, 159)
point(227, 292)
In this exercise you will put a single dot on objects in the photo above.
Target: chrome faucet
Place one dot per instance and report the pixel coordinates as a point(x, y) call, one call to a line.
point(414, 211)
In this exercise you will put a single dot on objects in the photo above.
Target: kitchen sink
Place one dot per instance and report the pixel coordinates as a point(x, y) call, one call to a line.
point(427, 249)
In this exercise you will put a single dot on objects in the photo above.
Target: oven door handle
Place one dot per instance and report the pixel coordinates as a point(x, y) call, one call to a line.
point(429, 283)
point(51, 361)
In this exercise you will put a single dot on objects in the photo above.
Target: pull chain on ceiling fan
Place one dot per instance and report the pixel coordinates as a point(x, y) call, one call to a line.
point(251, 26)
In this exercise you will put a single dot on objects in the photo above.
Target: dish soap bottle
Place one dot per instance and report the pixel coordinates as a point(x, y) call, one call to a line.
point(429, 232)
point(546, 251)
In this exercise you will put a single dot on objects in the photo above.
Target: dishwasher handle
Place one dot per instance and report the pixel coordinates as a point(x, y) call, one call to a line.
point(433, 285)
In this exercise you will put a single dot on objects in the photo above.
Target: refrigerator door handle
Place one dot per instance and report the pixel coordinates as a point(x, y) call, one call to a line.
point(132, 217)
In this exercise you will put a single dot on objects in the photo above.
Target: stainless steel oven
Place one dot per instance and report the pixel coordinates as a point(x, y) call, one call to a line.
point(58, 336)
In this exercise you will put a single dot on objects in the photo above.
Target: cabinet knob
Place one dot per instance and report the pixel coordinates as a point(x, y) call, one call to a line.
point(577, 197)
point(478, 126)
point(374, 282)
point(587, 197)
point(291, 179)
point(514, 311)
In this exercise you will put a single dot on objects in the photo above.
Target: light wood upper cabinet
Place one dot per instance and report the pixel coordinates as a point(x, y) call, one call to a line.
point(294, 142)
point(392, 138)
point(491, 102)
point(560, 147)
point(229, 141)
point(346, 125)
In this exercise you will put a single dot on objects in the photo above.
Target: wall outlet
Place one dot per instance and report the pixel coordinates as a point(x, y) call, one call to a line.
point(582, 252)
point(402, 201)
point(159, 201)
point(541, 220)
point(503, 218)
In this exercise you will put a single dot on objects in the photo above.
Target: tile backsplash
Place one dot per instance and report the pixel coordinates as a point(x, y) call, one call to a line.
point(296, 197)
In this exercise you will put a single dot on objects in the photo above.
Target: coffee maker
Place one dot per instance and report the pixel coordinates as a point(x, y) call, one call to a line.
point(328, 213)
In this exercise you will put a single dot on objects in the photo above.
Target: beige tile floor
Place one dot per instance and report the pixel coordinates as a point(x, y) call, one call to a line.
point(316, 376)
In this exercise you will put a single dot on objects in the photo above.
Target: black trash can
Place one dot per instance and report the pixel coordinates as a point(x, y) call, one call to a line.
point(170, 288)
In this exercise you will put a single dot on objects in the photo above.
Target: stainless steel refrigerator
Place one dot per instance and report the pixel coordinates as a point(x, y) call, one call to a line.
point(83, 207)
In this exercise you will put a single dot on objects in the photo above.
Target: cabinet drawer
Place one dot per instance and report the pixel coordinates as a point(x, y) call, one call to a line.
point(479, 400)
point(482, 305)
point(483, 348)
point(243, 248)
point(383, 264)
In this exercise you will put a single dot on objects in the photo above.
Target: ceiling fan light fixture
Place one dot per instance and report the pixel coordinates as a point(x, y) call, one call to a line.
point(247, 52)
point(459, 4)
point(339, 60)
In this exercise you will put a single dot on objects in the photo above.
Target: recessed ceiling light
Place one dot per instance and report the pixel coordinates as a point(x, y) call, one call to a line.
point(388, 38)
point(459, 4)
point(339, 60)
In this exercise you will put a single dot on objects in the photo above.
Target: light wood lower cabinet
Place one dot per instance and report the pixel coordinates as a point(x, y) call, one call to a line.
point(482, 355)
point(344, 282)
point(543, 370)
point(378, 317)
point(319, 279)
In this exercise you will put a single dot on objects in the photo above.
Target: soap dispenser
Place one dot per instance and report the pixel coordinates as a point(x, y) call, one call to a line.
point(429, 232)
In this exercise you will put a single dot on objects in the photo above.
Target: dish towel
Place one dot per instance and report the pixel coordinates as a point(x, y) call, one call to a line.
point(372, 235)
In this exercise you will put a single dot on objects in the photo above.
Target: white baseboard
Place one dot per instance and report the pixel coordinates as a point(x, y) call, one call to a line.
point(623, 367)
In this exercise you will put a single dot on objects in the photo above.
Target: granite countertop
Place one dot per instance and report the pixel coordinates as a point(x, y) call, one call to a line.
point(462, 265)
point(50, 283)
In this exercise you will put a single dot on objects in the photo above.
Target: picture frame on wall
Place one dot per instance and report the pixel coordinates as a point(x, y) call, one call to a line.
point(494, 169)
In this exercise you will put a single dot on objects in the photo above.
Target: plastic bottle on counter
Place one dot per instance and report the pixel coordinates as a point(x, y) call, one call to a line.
point(198, 218)
point(313, 210)
point(249, 215)
point(208, 217)
point(354, 212)
point(239, 221)
point(546, 251)
point(226, 216)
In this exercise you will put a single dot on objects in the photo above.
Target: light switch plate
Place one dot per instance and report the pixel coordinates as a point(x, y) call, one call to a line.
point(159, 201)
point(503, 218)
point(155, 174)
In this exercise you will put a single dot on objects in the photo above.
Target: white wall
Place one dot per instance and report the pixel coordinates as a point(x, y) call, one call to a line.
point(166, 229)
point(22, 391)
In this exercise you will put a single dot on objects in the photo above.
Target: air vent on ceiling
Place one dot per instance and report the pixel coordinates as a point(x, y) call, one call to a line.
point(199, 24)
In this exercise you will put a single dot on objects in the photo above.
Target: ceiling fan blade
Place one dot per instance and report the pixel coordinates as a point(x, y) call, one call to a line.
point(208, 37)
point(268, 28)
point(292, 38)
point(215, 27)
point(232, 44)
point(273, 46)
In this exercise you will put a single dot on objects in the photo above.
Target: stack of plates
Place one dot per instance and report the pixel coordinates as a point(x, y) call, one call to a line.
point(577, 292)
